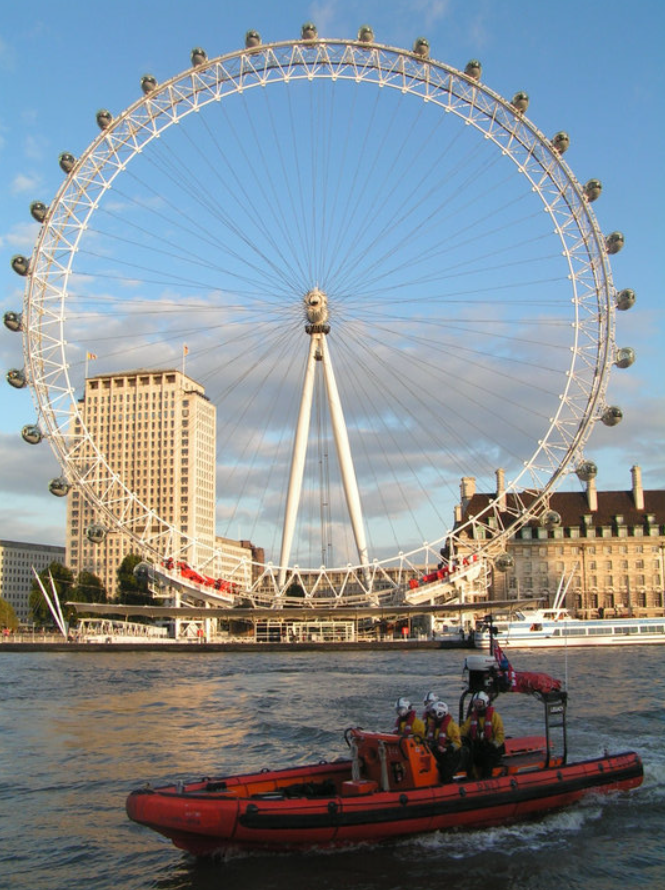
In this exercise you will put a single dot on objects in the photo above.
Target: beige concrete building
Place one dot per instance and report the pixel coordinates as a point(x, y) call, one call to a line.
point(612, 542)
point(238, 561)
point(157, 431)
point(17, 559)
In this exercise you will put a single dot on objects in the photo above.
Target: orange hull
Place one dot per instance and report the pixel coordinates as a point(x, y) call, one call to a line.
point(323, 805)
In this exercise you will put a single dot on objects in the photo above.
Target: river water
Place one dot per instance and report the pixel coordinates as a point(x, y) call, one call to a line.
point(79, 730)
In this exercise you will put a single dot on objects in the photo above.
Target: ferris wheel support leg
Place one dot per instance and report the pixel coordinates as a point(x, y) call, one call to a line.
point(345, 459)
point(298, 458)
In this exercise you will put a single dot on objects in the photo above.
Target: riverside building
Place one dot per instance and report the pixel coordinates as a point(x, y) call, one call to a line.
point(157, 431)
point(611, 542)
point(17, 559)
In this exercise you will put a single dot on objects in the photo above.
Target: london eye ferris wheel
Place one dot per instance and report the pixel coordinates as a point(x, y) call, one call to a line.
point(385, 276)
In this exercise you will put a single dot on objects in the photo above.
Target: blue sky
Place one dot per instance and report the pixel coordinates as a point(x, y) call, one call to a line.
point(593, 69)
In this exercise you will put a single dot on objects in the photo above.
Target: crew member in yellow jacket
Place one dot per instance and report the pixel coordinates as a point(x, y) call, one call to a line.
point(483, 732)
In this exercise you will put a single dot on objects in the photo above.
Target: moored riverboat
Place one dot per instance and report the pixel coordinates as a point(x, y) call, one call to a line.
point(547, 628)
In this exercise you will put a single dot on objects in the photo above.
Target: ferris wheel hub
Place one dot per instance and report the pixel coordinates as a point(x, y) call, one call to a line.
point(316, 311)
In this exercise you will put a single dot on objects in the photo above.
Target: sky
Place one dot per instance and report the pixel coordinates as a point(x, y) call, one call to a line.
point(593, 69)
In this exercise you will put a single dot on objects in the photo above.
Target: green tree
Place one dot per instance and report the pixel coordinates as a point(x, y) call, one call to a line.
point(88, 589)
point(295, 590)
point(63, 578)
point(7, 615)
point(132, 590)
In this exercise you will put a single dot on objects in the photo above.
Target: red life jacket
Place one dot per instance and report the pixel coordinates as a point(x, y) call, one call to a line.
point(405, 724)
point(439, 734)
point(487, 730)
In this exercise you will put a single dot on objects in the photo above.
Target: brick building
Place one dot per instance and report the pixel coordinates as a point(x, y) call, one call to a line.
point(611, 542)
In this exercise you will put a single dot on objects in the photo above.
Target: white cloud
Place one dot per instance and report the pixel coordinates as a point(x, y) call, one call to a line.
point(29, 512)
point(323, 15)
point(21, 237)
point(24, 182)
point(7, 55)
point(433, 10)
point(34, 148)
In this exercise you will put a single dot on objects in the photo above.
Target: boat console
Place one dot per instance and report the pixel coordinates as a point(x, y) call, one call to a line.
point(391, 762)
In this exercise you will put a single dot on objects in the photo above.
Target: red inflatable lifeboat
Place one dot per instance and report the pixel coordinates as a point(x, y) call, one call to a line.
point(389, 787)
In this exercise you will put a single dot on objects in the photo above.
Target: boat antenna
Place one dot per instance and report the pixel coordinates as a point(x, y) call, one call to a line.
point(561, 598)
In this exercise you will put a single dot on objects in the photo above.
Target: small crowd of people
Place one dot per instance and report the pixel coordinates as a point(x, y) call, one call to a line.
point(476, 747)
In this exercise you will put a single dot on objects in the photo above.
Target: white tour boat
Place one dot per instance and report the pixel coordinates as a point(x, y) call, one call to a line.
point(531, 628)
point(536, 627)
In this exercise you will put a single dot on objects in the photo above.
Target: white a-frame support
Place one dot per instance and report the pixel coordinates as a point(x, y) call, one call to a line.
point(318, 352)
point(54, 606)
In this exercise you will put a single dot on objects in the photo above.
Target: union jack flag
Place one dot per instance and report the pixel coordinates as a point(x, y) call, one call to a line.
point(505, 667)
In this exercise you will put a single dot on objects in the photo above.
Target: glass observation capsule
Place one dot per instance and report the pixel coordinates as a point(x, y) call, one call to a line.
point(365, 34)
point(104, 118)
point(142, 571)
point(198, 56)
point(148, 83)
point(16, 378)
point(586, 470)
point(473, 69)
point(625, 357)
point(593, 189)
point(421, 47)
point(625, 299)
point(59, 487)
point(67, 162)
point(612, 415)
point(13, 321)
point(20, 264)
point(561, 141)
point(252, 39)
point(308, 31)
point(38, 211)
point(95, 533)
point(614, 242)
point(503, 562)
point(550, 519)
point(520, 102)
point(32, 434)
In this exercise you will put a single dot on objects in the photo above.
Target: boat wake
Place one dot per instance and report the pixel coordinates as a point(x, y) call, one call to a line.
point(549, 833)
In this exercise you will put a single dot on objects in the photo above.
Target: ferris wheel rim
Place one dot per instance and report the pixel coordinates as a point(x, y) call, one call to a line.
point(558, 176)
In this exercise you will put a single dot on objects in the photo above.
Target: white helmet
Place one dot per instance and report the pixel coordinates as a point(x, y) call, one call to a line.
point(439, 710)
point(481, 701)
point(430, 698)
point(402, 706)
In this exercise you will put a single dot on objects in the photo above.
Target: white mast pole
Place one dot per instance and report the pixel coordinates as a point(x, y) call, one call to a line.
point(349, 479)
point(298, 458)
